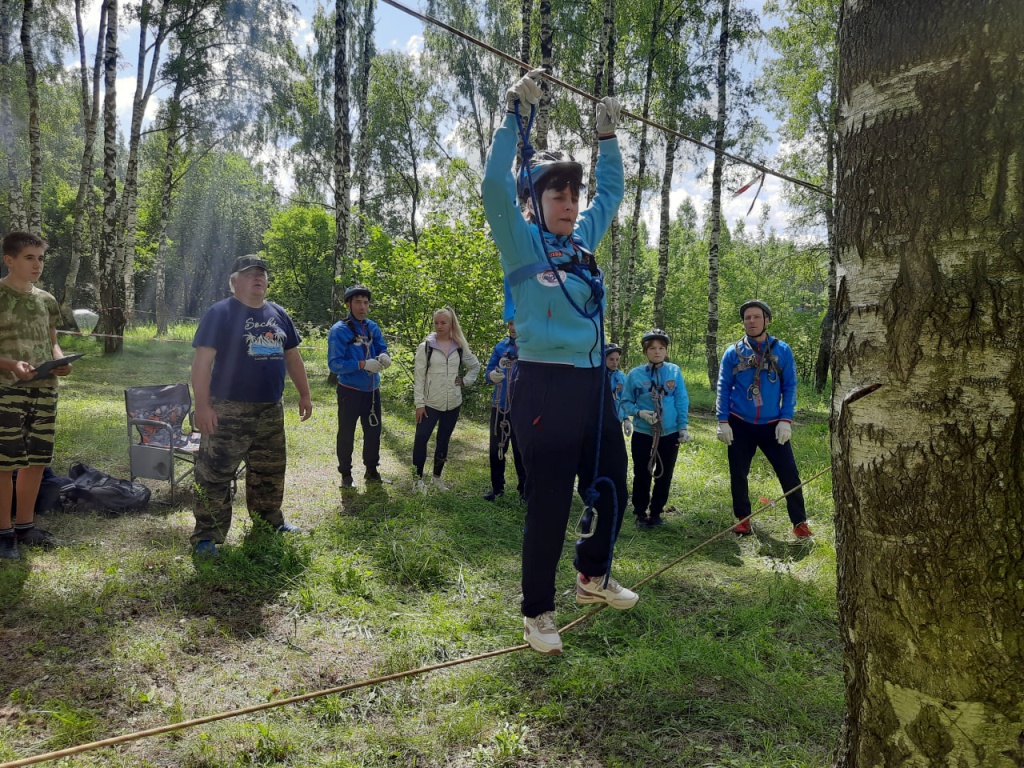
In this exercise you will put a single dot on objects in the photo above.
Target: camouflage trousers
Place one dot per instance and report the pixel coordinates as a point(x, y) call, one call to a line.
point(249, 432)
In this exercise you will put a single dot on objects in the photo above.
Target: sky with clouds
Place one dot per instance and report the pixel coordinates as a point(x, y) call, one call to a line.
point(399, 31)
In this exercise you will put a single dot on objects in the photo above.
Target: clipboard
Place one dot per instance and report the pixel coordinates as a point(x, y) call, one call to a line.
point(43, 369)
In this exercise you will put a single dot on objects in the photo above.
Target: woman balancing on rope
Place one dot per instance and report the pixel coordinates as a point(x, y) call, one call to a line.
point(563, 415)
point(656, 395)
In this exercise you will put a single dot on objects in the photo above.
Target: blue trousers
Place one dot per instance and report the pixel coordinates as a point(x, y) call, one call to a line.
point(746, 439)
point(555, 422)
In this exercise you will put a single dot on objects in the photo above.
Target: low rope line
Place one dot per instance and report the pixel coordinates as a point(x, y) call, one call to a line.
point(376, 680)
point(149, 338)
point(654, 124)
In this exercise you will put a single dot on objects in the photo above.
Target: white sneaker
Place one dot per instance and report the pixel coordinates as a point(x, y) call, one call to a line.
point(542, 634)
point(594, 591)
point(419, 487)
point(439, 484)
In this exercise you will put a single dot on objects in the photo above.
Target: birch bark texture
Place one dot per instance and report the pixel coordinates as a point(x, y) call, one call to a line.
point(929, 467)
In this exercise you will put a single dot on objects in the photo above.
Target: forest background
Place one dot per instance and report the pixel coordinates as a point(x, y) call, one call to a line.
point(247, 123)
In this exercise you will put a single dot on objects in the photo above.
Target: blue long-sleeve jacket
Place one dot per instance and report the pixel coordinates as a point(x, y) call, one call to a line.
point(348, 344)
point(548, 329)
point(667, 380)
point(507, 349)
point(771, 362)
point(617, 382)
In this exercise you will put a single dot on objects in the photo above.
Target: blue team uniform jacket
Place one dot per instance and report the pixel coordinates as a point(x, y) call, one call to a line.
point(666, 379)
point(349, 343)
point(771, 364)
point(548, 329)
point(506, 348)
point(617, 381)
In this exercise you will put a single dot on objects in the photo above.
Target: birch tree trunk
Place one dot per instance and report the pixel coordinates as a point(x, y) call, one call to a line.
point(362, 104)
point(342, 159)
point(821, 365)
point(90, 118)
point(111, 285)
point(622, 284)
point(15, 202)
point(661, 283)
point(166, 190)
point(929, 468)
point(128, 214)
point(711, 336)
point(547, 60)
point(35, 156)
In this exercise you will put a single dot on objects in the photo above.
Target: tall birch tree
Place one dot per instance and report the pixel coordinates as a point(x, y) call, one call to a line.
point(928, 398)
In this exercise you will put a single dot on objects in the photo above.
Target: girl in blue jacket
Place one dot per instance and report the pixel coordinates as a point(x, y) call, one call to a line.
point(561, 372)
point(656, 396)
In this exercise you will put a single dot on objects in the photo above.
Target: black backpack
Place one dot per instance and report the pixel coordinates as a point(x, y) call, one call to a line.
point(98, 491)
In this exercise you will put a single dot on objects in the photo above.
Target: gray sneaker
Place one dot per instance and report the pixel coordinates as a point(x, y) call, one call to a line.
point(542, 634)
point(595, 591)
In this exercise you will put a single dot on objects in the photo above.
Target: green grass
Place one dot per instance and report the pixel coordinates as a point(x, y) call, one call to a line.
point(731, 658)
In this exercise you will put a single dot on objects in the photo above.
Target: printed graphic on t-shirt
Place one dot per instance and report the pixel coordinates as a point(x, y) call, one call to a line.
point(265, 339)
point(548, 279)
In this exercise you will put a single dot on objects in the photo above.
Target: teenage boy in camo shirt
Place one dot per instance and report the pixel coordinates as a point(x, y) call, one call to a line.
point(28, 409)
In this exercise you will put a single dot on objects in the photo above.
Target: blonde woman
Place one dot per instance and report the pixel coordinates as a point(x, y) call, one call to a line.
point(438, 391)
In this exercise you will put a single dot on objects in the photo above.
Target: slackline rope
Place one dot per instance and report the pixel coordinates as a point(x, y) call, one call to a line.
point(762, 168)
point(373, 681)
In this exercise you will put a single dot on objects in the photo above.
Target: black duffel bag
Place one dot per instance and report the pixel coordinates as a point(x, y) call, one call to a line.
point(98, 491)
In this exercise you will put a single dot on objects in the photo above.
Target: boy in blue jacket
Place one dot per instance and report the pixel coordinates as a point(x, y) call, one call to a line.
point(561, 372)
point(656, 395)
point(755, 405)
point(501, 370)
point(357, 353)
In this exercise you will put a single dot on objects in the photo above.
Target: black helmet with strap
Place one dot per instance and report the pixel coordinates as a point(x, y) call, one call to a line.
point(357, 290)
point(543, 165)
point(655, 334)
point(756, 303)
point(610, 347)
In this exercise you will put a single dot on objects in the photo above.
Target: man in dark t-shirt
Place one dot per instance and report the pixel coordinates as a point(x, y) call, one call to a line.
point(243, 347)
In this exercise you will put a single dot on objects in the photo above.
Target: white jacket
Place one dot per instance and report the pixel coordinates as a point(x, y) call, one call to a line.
point(435, 386)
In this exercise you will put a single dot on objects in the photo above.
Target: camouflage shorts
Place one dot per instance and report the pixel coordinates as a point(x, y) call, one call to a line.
point(28, 421)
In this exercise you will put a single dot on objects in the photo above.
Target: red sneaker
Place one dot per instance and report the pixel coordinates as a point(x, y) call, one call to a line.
point(803, 531)
point(742, 528)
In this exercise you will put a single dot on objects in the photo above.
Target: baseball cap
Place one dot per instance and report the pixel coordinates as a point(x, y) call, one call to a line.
point(249, 261)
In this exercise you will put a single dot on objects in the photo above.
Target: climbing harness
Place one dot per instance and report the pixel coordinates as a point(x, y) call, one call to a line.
point(654, 465)
point(503, 425)
point(366, 342)
point(767, 363)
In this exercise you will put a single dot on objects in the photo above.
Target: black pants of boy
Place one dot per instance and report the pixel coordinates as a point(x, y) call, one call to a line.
point(746, 439)
point(501, 438)
point(555, 420)
point(355, 405)
point(445, 422)
point(668, 451)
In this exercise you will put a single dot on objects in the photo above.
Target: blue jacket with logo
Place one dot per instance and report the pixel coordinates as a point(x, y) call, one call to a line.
point(772, 365)
point(665, 379)
point(507, 349)
point(617, 381)
point(349, 343)
point(549, 329)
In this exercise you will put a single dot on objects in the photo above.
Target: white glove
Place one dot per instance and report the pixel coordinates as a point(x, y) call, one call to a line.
point(684, 435)
point(627, 427)
point(608, 115)
point(649, 416)
point(526, 91)
point(384, 359)
point(496, 376)
point(725, 432)
point(783, 431)
point(372, 365)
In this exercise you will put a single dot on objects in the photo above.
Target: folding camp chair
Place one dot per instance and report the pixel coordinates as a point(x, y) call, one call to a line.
point(158, 415)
